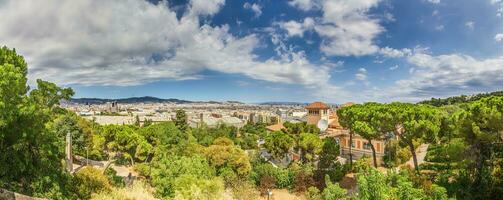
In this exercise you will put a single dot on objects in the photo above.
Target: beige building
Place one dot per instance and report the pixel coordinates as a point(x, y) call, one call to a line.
point(316, 112)
point(360, 146)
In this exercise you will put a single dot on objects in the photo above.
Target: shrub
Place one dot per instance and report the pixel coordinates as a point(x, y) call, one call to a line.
point(332, 191)
point(191, 187)
point(138, 191)
point(117, 181)
point(313, 193)
point(242, 189)
point(266, 183)
point(363, 164)
point(283, 178)
point(143, 169)
point(303, 181)
point(89, 180)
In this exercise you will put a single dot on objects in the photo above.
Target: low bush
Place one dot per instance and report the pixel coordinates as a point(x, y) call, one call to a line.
point(89, 180)
point(283, 178)
point(138, 191)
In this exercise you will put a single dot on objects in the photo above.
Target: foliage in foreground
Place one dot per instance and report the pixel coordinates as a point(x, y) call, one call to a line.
point(138, 191)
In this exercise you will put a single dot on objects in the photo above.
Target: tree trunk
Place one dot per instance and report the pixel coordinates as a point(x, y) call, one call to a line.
point(414, 158)
point(350, 150)
point(373, 153)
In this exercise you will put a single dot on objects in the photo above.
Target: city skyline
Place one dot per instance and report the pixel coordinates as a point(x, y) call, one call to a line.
point(260, 51)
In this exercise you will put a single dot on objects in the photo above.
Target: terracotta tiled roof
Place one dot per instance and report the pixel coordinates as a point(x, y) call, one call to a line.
point(317, 105)
point(275, 127)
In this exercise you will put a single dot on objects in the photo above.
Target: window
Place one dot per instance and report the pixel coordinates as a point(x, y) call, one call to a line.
point(366, 146)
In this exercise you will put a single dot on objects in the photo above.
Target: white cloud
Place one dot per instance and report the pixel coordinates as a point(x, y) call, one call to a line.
point(447, 75)
point(470, 25)
point(499, 3)
point(395, 53)
point(393, 67)
point(257, 9)
point(439, 27)
point(294, 28)
point(347, 30)
point(434, 1)
point(361, 74)
point(204, 7)
point(389, 17)
point(304, 5)
point(498, 37)
point(132, 42)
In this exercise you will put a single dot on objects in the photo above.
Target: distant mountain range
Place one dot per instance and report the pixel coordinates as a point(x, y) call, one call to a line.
point(282, 103)
point(146, 99)
point(149, 99)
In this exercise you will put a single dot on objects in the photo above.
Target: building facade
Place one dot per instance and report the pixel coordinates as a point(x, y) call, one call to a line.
point(359, 147)
point(317, 111)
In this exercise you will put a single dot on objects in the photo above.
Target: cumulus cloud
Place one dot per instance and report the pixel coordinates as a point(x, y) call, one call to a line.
point(498, 37)
point(304, 5)
point(295, 28)
point(447, 75)
point(347, 30)
point(205, 7)
point(434, 1)
point(395, 53)
point(257, 9)
point(132, 42)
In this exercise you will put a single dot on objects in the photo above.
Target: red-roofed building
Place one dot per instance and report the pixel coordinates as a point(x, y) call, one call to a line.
point(317, 111)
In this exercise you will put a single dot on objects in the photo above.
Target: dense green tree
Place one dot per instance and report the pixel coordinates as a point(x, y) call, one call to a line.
point(224, 155)
point(31, 153)
point(123, 140)
point(298, 128)
point(164, 136)
point(346, 119)
point(278, 144)
point(172, 173)
point(415, 122)
point(479, 123)
point(181, 120)
point(329, 152)
point(368, 132)
point(460, 99)
point(311, 145)
point(86, 140)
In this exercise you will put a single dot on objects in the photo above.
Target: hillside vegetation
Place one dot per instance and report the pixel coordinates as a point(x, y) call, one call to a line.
point(175, 161)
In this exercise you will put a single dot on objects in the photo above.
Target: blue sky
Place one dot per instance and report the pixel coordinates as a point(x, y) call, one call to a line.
point(264, 50)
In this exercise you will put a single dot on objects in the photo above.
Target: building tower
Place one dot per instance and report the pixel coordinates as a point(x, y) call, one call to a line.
point(317, 111)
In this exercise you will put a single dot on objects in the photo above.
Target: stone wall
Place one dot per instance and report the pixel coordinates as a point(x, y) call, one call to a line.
point(8, 195)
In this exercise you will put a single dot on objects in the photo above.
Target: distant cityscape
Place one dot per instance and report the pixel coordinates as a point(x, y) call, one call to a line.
point(233, 113)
